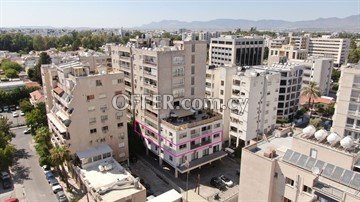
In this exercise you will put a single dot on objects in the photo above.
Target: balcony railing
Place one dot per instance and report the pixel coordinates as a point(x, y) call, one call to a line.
point(205, 142)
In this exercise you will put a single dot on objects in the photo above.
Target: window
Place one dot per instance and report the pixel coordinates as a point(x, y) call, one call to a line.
point(92, 120)
point(104, 118)
point(192, 59)
point(120, 125)
point(221, 92)
point(313, 153)
point(105, 129)
point(222, 83)
point(181, 136)
point(102, 96)
point(92, 131)
point(192, 47)
point(116, 81)
point(307, 189)
point(192, 91)
point(118, 115)
point(170, 158)
point(192, 80)
point(217, 125)
point(182, 146)
point(289, 181)
point(192, 69)
point(216, 135)
point(276, 175)
point(90, 97)
point(91, 108)
point(98, 83)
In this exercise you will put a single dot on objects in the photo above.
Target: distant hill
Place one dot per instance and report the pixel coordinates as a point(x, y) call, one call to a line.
point(351, 23)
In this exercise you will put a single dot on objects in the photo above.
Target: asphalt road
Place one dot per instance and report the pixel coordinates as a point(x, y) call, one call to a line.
point(30, 184)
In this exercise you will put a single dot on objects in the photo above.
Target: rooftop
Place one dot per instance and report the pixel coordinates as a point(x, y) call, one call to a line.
point(179, 118)
point(280, 144)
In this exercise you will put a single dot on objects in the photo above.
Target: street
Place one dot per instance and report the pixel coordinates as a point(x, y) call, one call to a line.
point(29, 180)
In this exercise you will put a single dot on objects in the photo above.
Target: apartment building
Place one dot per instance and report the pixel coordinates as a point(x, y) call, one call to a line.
point(186, 135)
point(236, 50)
point(346, 119)
point(252, 92)
point(291, 76)
point(317, 69)
point(300, 42)
point(326, 46)
point(79, 107)
point(276, 42)
point(285, 52)
point(307, 166)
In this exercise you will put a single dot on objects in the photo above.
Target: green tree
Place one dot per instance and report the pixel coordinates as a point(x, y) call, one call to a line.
point(312, 92)
point(354, 55)
point(60, 155)
point(7, 64)
point(26, 106)
point(7, 150)
point(31, 74)
point(316, 122)
point(11, 73)
point(39, 43)
point(36, 118)
point(335, 75)
point(43, 135)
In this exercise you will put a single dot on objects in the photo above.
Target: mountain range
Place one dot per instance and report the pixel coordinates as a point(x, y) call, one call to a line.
point(351, 23)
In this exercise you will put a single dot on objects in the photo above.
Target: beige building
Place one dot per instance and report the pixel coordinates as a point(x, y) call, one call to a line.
point(186, 135)
point(236, 50)
point(286, 52)
point(347, 109)
point(253, 94)
point(79, 106)
point(307, 166)
point(317, 69)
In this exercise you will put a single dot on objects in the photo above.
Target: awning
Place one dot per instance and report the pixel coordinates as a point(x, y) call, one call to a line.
point(94, 151)
point(57, 123)
point(202, 161)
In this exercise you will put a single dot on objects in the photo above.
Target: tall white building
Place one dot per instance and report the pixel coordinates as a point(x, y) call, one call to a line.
point(79, 107)
point(326, 46)
point(236, 50)
point(175, 135)
point(290, 88)
point(253, 93)
point(347, 109)
point(318, 70)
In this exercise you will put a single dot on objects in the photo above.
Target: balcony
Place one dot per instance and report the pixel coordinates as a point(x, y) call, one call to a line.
point(202, 143)
point(195, 135)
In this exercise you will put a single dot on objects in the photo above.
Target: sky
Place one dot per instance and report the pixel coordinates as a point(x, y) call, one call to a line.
point(133, 13)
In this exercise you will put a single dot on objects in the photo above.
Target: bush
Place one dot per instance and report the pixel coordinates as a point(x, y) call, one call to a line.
point(316, 122)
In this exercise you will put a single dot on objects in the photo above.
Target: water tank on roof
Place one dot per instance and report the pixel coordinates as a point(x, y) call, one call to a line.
point(347, 142)
point(254, 74)
point(333, 138)
point(309, 130)
point(321, 134)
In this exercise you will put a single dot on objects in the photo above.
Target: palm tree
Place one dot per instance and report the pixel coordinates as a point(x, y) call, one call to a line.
point(312, 92)
point(42, 136)
point(59, 155)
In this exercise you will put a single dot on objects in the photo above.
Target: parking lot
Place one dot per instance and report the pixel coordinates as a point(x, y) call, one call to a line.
point(226, 166)
point(16, 121)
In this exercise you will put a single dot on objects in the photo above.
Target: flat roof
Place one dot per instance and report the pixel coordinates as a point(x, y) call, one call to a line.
point(8, 84)
point(117, 182)
point(276, 143)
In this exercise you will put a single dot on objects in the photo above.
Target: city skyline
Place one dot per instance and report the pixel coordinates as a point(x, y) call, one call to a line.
point(113, 14)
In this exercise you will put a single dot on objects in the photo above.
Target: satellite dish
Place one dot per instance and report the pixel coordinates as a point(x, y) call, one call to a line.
point(315, 170)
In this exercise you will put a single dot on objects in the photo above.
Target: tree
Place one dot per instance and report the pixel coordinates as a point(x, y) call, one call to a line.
point(11, 73)
point(6, 149)
point(335, 75)
point(266, 53)
point(31, 74)
point(316, 122)
point(7, 64)
point(26, 106)
point(312, 92)
point(59, 155)
point(42, 136)
point(354, 55)
point(36, 118)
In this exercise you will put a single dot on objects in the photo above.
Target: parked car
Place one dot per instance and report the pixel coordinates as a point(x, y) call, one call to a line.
point(217, 183)
point(49, 175)
point(1, 110)
point(226, 181)
point(15, 114)
point(56, 188)
point(46, 169)
point(22, 113)
point(53, 181)
point(17, 107)
point(5, 179)
point(61, 196)
point(6, 109)
point(27, 131)
point(12, 108)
